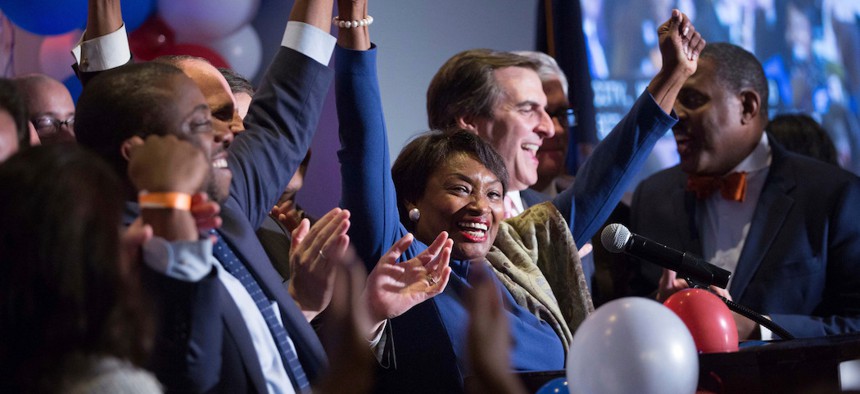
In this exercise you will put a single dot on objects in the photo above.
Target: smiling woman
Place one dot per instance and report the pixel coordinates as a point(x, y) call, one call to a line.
point(454, 181)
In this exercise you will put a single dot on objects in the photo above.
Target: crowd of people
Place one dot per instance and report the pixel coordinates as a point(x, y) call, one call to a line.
point(153, 243)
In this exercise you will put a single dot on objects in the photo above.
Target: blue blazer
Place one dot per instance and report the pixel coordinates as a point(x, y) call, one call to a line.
point(203, 344)
point(800, 263)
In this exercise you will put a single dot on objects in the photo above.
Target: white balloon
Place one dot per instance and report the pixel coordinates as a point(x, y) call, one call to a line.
point(202, 21)
point(55, 56)
point(242, 50)
point(633, 345)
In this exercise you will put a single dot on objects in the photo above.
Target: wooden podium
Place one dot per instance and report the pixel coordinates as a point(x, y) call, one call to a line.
point(794, 366)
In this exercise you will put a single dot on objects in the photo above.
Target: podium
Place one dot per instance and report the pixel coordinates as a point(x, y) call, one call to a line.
point(793, 366)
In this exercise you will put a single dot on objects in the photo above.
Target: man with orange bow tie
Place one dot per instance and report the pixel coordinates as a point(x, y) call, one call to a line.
point(786, 226)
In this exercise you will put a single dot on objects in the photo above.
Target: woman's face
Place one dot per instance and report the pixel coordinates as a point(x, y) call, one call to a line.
point(465, 199)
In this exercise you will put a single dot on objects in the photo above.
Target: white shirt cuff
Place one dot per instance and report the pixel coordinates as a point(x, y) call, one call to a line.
point(188, 261)
point(103, 53)
point(310, 41)
point(766, 335)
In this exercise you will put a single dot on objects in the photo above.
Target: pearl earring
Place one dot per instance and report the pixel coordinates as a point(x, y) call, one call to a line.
point(414, 214)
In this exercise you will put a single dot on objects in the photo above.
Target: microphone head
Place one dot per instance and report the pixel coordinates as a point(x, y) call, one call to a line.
point(614, 237)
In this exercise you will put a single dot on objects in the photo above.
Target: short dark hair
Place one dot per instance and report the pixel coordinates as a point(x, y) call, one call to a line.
point(121, 103)
point(466, 85)
point(63, 288)
point(237, 82)
point(737, 69)
point(801, 134)
point(423, 155)
point(12, 102)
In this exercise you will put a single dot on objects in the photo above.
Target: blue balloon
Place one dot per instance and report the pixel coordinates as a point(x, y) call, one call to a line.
point(46, 17)
point(555, 386)
point(135, 12)
point(75, 88)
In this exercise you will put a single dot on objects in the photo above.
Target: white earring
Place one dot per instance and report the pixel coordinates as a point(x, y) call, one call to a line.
point(414, 214)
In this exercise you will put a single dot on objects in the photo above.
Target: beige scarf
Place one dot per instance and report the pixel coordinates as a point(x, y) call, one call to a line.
point(536, 258)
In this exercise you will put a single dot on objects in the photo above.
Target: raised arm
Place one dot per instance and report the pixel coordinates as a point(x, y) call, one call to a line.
point(284, 114)
point(602, 181)
point(368, 191)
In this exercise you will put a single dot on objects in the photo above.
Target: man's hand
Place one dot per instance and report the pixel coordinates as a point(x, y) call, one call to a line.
point(288, 214)
point(393, 288)
point(167, 164)
point(314, 253)
point(671, 284)
point(680, 44)
point(206, 213)
point(132, 238)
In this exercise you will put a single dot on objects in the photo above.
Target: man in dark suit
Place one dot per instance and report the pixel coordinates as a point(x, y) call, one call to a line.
point(785, 226)
point(215, 334)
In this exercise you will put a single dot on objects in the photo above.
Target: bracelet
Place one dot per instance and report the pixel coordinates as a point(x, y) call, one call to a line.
point(350, 24)
point(172, 200)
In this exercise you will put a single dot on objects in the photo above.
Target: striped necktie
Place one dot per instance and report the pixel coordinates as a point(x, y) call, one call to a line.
point(231, 263)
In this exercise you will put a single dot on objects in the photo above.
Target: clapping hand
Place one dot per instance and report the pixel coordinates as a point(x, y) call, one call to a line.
point(393, 288)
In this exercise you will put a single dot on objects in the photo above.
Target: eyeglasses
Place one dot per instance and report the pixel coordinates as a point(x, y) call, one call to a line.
point(565, 116)
point(49, 124)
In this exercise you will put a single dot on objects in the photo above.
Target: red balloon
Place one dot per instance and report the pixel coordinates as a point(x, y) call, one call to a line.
point(196, 50)
point(152, 37)
point(708, 319)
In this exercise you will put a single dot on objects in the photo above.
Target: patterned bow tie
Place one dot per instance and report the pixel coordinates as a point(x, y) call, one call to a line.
point(732, 187)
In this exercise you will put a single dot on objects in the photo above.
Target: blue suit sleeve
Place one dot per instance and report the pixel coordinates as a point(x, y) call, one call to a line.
point(368, 190)
point(280, 126)
point(616, 160)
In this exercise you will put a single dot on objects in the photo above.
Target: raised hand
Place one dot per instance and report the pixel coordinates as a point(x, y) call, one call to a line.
point(314, 253)
point(680, 44)
point(167, 164)
point(393, 288)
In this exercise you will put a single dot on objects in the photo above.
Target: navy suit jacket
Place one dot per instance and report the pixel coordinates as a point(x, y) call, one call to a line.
point(533, 197)
point(203, 344)
point(799, 264)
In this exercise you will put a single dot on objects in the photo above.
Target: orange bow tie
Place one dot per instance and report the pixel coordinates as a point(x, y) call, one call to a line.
point(732, 187)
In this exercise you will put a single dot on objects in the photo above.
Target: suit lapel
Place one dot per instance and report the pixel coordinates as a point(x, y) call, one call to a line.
point(235, 324)
point(244, 242)
point(768, 218)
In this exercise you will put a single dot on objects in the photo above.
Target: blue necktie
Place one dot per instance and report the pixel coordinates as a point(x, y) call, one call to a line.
point(231, 263)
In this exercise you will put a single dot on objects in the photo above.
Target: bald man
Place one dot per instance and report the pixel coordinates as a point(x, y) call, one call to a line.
point(50, 107)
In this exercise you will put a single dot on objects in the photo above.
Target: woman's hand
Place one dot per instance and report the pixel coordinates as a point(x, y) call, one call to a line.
point(393, 288)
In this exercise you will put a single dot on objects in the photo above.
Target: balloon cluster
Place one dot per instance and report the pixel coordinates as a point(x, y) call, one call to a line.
point(633, 345)
point(218, 30)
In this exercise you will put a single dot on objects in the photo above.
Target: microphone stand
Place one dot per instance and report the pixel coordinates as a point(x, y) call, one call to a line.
point(746, 312)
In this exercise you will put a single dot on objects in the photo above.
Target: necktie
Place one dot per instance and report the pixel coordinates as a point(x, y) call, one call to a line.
point(231, 263)
point(732, 187)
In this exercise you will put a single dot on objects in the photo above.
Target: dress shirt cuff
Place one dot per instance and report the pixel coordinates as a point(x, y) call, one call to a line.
point(188, 261)
point(310, 41)
point(764, 333)
point(103, 53)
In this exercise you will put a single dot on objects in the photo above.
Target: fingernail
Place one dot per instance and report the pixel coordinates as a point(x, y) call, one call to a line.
point(686, 30)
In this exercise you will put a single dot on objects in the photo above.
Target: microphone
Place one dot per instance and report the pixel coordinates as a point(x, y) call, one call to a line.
point(616, 238)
